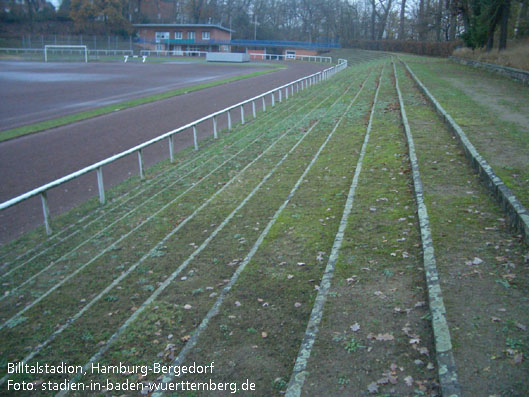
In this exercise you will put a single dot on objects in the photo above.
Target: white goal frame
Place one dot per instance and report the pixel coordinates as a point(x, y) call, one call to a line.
point(65, 47)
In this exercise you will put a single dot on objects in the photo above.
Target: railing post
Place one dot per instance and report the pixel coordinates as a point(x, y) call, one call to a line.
point(264, 104)
point(100, 185)
point(286, 93)
point(195, 137)
point(140, 163)
point(273, 99)
point(242, 114)
point(280, 96)
point(46, 212)
point(215, 127)
point(171, 149)
point(229, 120)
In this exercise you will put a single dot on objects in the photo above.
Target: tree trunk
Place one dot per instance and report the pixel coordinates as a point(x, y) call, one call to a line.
point(402, 19)
point(373, 19)
point(421, 22)
point(495, 16)
point(439, 20)
point(506, 10)
point(453, 21)
point(384, 21)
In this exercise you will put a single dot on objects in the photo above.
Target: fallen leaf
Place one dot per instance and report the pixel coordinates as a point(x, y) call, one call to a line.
point(518, 358)
point(477, 261)
point(264, 335)
point(372, 388)
point(384, 337)
point(424, 350)
point(237, 303)
point(297, 304)
point(495, 319)
point(414, 341)
point(521, 326)
point(408, 380)
point(185, 338)
point(355, 327)
point(188, 306)
point(383, 381)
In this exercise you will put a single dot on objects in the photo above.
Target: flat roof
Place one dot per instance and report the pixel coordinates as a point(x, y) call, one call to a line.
point(181, 25)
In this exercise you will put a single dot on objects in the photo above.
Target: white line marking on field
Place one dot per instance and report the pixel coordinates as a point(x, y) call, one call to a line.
point(299, 372)
point(123, 275)
point(190, 344)
point(168, 280)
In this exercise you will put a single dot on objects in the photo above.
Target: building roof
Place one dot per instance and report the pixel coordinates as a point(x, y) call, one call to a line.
point(181, 25)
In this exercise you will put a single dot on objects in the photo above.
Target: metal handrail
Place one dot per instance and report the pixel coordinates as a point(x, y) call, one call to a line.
point(98, 167)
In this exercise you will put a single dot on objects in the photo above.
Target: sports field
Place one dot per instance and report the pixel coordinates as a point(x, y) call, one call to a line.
point(338, 244)
point(37, 91)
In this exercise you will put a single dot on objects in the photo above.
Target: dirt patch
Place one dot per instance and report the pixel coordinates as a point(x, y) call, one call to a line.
point(496, 96)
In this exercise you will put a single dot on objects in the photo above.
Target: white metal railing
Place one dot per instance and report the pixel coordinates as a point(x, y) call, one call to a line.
point(110, 52)
point(18, 50)
point(278, 57)
point(300, 84)
point(66, 49)
point(174, 53)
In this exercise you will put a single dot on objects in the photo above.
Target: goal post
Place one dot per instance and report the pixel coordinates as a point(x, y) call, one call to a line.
point(81, 49)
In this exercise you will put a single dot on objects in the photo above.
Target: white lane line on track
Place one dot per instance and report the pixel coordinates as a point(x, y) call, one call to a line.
point(299, 373)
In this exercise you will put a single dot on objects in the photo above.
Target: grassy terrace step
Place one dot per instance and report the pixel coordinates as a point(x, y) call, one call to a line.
point(161, 262)
point(158, 192)
point(377, 302)
point(484, 281)
point(491, 109)
point(298, 235)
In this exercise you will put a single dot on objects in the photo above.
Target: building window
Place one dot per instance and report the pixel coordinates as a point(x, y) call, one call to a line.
point(178, 35)
point(161, 36)
point(159, 47)
point(205, 36)
point(191, 35)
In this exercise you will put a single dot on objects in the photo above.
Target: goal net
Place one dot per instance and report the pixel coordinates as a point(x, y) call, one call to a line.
point(73, 53)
